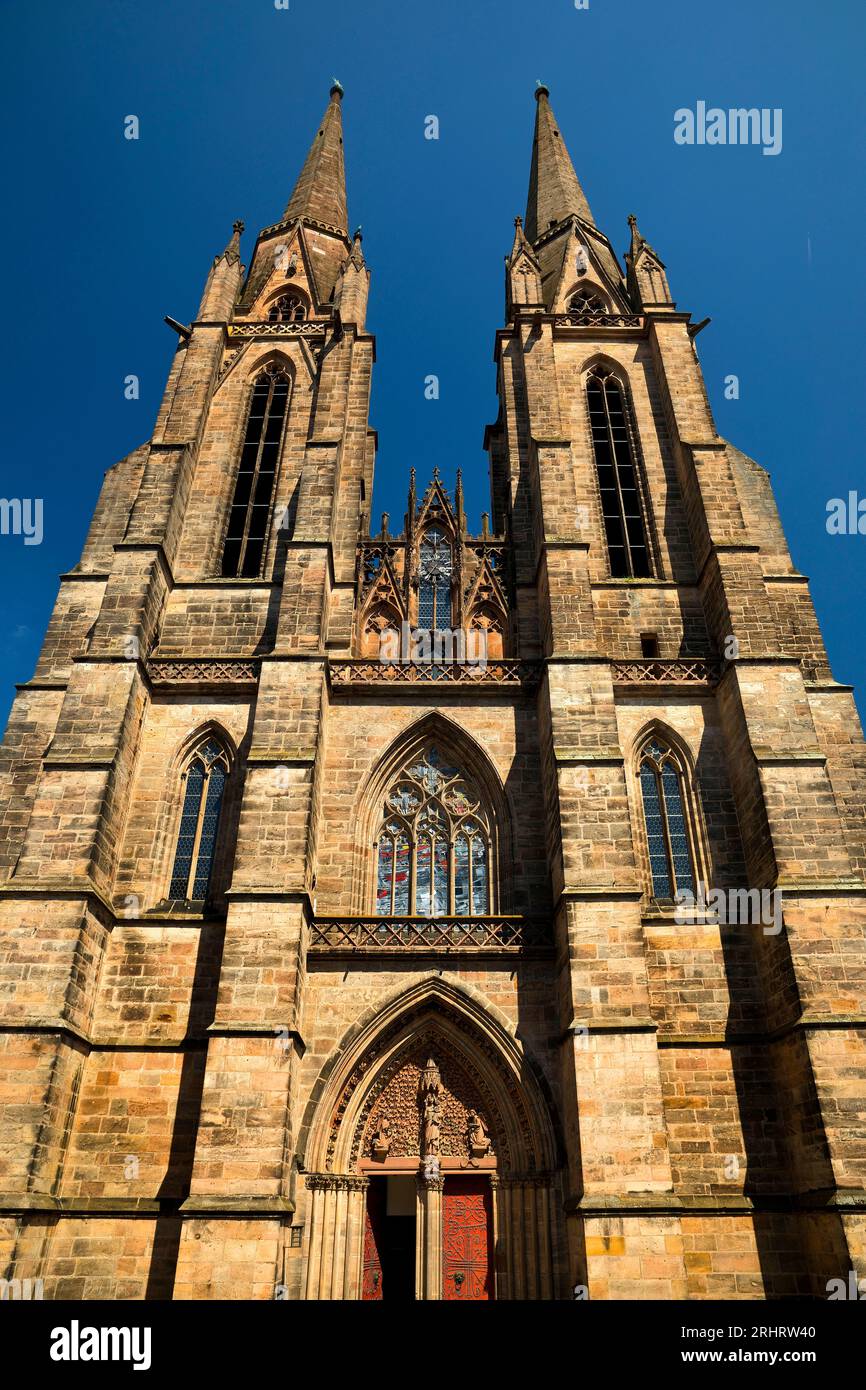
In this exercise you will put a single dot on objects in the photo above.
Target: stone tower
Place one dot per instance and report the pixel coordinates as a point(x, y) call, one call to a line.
point(444, 913)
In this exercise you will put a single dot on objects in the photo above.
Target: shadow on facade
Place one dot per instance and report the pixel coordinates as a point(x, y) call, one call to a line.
point(175, 1186)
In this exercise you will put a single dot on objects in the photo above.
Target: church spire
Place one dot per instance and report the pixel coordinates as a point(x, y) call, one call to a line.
point(554, 192)
point(320, 192)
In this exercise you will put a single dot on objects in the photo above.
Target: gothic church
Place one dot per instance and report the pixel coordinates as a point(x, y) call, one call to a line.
point(334, 969)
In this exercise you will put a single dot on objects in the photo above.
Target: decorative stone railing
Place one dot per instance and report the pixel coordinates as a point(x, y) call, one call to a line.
point(263, 328)
point(597, 320)
point(358, 671)
point(654, 671)
point(188, 671)
point(417, 934)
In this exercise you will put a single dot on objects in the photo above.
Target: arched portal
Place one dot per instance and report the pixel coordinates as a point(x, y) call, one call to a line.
point(430, 1157)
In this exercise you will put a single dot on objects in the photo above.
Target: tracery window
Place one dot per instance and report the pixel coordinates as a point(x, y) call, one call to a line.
point(621, 505)
point(204, 782)
point(433, 848)
point(434, 581)
point(663, 791)
point(289, 308)
point(251, 505)
point(587, 307)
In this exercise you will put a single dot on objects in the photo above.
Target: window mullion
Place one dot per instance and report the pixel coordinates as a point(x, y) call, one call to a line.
point(413, 875)
point(452, 871)
point(196, 844)
point(666, 833)
point(255, 481)
point(392, 899)
point(626, 539)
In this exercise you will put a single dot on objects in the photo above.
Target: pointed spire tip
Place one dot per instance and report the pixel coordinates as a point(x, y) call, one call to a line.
point(320, 190)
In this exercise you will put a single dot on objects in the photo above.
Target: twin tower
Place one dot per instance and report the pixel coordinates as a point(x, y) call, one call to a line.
point(332, 971)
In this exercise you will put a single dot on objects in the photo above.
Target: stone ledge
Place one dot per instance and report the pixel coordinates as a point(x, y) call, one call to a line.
point(570, 756)
point(237, 1206)
point(600, 890)
point(625, 1024)
point(74, 1206)
point(288, 757)
point(714, 1204)
point(782, 757)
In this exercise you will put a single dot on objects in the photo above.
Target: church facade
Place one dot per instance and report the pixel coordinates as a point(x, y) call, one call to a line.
point(428, 912)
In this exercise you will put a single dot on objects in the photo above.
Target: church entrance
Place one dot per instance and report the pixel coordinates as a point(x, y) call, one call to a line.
point(395, 1241)
point(467, 1239)
point(431, 1163)
point(389, 1240)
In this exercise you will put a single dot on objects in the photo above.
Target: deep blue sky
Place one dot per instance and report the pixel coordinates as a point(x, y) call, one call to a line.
point(102, 236)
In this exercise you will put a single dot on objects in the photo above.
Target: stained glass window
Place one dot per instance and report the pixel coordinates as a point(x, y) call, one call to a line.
point(664, 804)
point(204, 785)
point(251, 505)
point(433, 849)
point(621, 506)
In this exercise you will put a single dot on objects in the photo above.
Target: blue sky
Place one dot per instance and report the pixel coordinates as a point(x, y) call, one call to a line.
point(103, 236)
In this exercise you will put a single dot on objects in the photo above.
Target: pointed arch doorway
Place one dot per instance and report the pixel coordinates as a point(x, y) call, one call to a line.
point(429, 1160)
point(435, 1162)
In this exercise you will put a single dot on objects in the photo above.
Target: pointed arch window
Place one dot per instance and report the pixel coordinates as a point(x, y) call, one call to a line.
point(434, 848)
point(204, 783)
point(435, 568)
point(621, 502)
point(251, 505)
point(663, 784)
point(289, 308)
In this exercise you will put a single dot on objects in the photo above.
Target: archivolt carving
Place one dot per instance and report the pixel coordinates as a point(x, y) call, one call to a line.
point(466, 1096)
point(487, 1070)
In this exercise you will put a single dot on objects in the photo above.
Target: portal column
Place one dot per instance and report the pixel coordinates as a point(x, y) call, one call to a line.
point(428, 1237)
point(502, 1273)
point(335, 1240)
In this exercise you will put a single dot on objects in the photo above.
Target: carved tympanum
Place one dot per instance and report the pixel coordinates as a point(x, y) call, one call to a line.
point(428, 1108)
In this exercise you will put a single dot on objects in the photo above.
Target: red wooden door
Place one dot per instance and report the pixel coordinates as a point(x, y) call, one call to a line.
point(467, 1239)
point(374, 1219)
